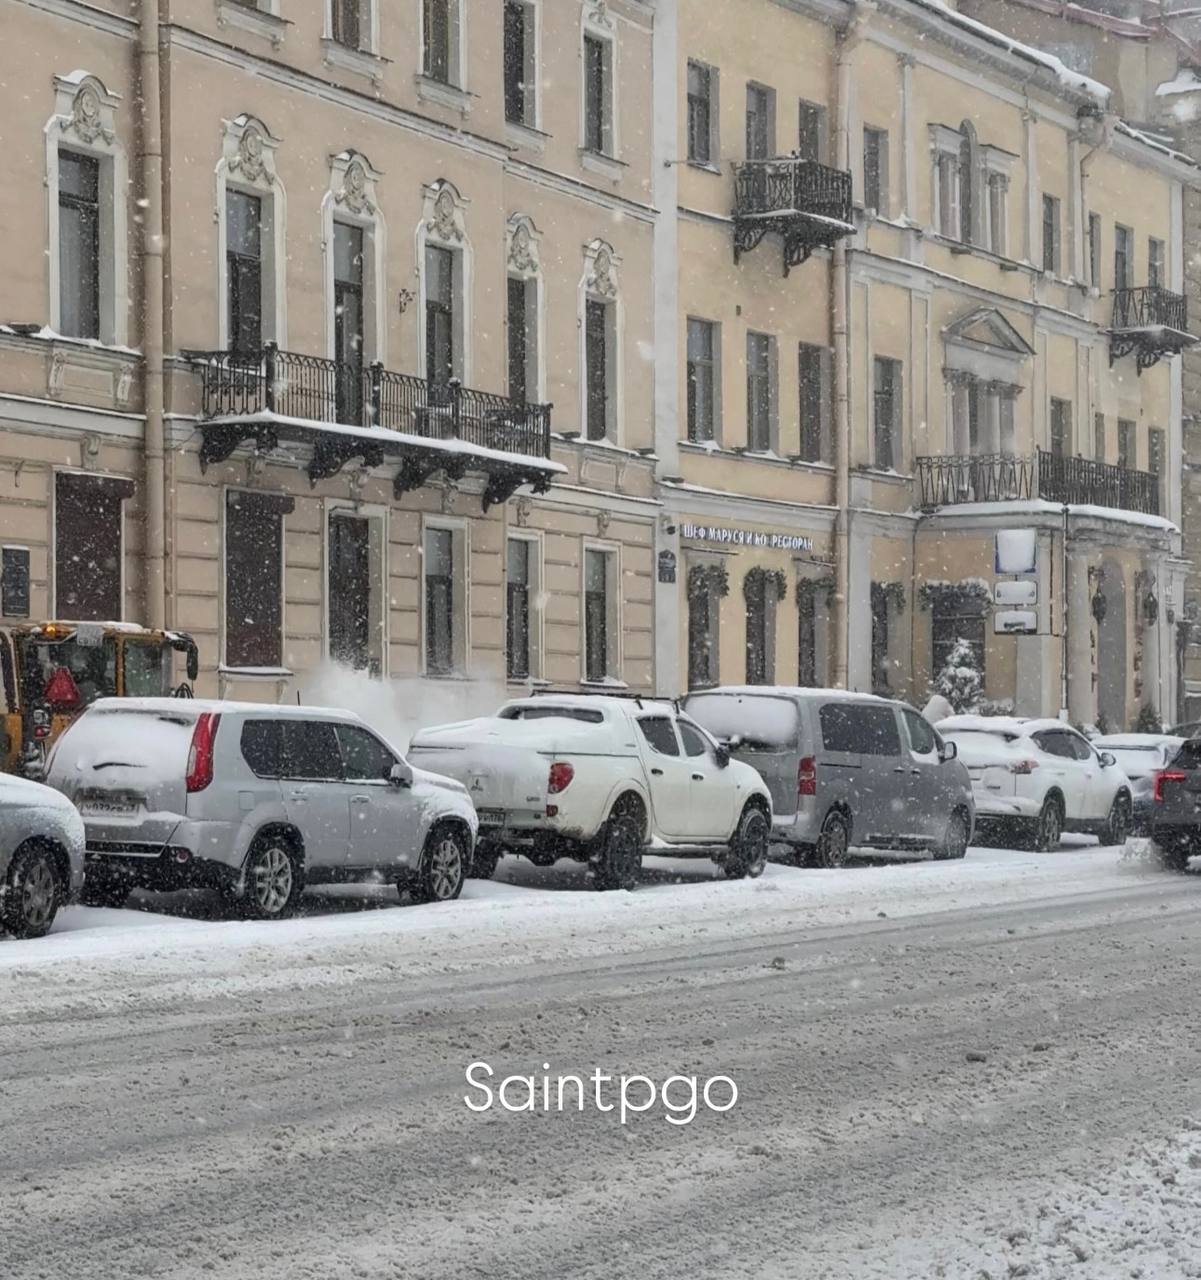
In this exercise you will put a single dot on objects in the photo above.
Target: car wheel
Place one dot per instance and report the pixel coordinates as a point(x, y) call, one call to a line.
point(747, 855)
point(1049, 826)
point(104, 893)
point(543, 857)
point(484, 861)
point(1117, 827)
point(954, 843)
point(443, 867)
point(273, 881)
point(1174, 854)
point(834, 843)
point(617, 860)
point(32, 895)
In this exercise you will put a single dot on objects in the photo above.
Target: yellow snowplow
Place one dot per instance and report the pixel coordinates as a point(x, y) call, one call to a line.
point(52, 671)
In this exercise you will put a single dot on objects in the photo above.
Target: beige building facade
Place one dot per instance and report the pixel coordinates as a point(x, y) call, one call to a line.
point(927, 296)
point(405, 403)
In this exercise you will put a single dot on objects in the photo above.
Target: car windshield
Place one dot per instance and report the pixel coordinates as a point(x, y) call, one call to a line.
point(759, 720)
point(69, 673)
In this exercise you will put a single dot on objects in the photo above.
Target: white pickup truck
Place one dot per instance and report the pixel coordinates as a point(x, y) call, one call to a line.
point(601, 780)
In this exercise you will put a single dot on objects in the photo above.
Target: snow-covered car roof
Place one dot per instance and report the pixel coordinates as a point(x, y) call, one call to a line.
point(787, 691)
point(1014, 726)
point(1137, 741)
point(191, 707)
point(587, 701)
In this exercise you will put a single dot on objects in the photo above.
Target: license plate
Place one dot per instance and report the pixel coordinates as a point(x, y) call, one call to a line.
point(490, 817)
point(108, 808)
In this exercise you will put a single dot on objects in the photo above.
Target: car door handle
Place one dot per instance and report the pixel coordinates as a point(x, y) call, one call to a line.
point(698, 777)
point(298, 796)
point(899, 769)
point(360, 799)
point(917, 771)
point(657, 772)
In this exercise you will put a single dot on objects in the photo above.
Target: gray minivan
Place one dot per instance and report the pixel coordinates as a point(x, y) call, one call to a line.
point(844, 769)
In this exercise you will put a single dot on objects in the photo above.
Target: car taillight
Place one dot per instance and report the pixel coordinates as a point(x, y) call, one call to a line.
point(200, 753)
point(1167, 775)
point(806, 776)
point(559, 779)
point(1023, 766)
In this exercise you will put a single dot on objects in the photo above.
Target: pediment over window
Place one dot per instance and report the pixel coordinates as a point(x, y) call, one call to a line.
point(987, 329)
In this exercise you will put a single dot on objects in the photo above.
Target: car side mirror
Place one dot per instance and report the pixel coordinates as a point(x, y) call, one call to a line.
point(401, 775)
point(1107, 759)
point(948, 751)
point(722, 756)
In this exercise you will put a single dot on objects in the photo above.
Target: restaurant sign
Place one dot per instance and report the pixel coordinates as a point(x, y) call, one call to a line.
point(746, 537)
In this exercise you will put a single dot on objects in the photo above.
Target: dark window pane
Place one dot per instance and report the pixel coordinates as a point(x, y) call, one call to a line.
point(921, 735)
point(347, 23)
point(79, 244)
point(88, 546)
point(517, 609)
point(658, 731)
point(758, 123)
point(364, 756)
point(436, 58)
point(439, 601)
point(14, 582)
point(596, 615)
point(700, 119)
point(695, 742)
point(758, 391)
point(261, 747)
point(596, 94)
point(860, 729)
point(519, 340)
point(886, 411)
point(254, 579)
point(310, 751)
point(806, 595)
point(596, 351)
point(519, 38)
point(701, 380)
point(439, 315)
point(810, 132)
point(810, 366)
point(349, 591)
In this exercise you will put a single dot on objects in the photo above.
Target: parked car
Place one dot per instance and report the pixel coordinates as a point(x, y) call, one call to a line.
point(256, 801)
point(1176, 799)
point(1039, 778)
point(41, 856)
point(1188, 729)
point(844, 769)
point(602, 779)
point(1140, 757)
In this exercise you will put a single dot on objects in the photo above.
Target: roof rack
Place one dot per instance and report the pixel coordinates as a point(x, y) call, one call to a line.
point(627, 695)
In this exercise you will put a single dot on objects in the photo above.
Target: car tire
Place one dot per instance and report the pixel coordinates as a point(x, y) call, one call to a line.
point(1174, 855)
point(954, 842)
point(616, 861)
point(32, 894)
point(444, 863)
point(484, 861)
point(274, 880)
point(747, 852)
point(1117, 825)
point(834, 842)
point(543, 857)
point(104, 893)
point(1048, 826)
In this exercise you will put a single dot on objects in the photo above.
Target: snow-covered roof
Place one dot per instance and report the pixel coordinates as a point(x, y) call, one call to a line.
point(1186, 81)
point(1155, 142)
point(787, 691)
point(1017, 726)
point(1136, 741)
point(191, 707)
point(594, 702)
point(1041, 506)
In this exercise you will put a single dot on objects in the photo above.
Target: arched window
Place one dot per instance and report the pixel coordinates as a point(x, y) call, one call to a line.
point(444, 254)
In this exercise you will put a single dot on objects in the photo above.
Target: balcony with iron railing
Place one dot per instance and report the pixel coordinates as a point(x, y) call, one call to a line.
point(807, 203)
point(949, 480)
point(371, 414)
point(1151, 322)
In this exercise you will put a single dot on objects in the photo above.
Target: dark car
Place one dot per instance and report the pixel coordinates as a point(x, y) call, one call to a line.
point(1176, 822)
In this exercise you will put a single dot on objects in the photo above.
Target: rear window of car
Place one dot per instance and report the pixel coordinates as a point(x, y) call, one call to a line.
point(860, 729)
point(155, 742)
point(1189, 755)
point(759, 719)
point(1136, 759)
point(585, 714)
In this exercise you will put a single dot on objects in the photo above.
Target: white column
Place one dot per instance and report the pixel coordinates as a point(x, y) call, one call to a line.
point(1082, 707)
point(992, 427)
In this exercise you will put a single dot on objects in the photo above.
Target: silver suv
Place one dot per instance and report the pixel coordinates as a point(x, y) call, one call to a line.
point(255, 801)
point(845, 769)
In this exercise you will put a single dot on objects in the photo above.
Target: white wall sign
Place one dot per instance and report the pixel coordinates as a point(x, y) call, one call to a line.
point(1022, 591)
point(1016, 551)
point(1015, 622)
point(746, 537)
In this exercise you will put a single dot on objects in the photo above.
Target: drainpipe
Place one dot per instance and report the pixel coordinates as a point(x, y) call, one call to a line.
point(150, 118)
point(839, 310)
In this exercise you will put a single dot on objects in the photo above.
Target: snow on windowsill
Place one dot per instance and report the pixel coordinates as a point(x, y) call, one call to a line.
point(605, 682)
point(1040, 506)
point(255, 673)
point(47, 334)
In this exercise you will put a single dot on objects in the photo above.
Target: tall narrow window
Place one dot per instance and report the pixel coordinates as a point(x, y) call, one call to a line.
point(875, 169)
point(1155, 263)
point(347, 24)
point(14, 582)
point(244, 269)
point(881, 666)
point(517, 609)
point(704, 626)
point(811, 366)
point(348, 321)
point(79, 244)
point(1127, 456)
point(1051, 256)
point(998, 213)
point(968, 183)
point(1123, 257)
point(439, 569)
point(520, 63)
point(760, 142)
point(436, 40)
point(886, 411)
point(254, 568)
point(596, 355)
point(700, 113)
point(811, 131)
point(1094, 250)
point(761, 595)
point(441, 361)
point(1061, 427)
point(1099, 437)
point(702, 380)
point(760, 391)
point(89, 546)
point(523, 339)
point(806, 601)
point(349, 592)
point(597, 641)
point(598, 89)
point(947, 177)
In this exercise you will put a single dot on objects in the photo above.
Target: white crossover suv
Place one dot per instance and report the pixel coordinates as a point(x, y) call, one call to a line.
point(255, 801)
point(41, 856)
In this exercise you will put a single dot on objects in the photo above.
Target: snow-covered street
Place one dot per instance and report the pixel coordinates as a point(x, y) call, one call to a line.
point(944, 1069)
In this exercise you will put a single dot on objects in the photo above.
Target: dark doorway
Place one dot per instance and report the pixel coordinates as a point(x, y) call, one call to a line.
point(350, 591)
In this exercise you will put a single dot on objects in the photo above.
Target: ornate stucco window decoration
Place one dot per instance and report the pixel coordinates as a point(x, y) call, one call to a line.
point(523, 265)
point(708, 579)
point(769, 580)
point(359, 410)
point(970, 189)
point(261, 18)
point(807, 203)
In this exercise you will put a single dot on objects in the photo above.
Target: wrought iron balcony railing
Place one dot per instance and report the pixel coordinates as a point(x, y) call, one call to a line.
point(252, 394)
point(1150, 321)
point(1000, 477)
point(808, 203)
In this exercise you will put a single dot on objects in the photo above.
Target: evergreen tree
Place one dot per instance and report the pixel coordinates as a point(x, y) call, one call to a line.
point(960, 680)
